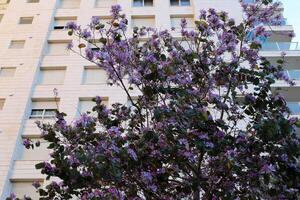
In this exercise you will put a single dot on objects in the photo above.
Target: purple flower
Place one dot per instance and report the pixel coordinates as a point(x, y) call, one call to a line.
point(12, 196)
point(114, 131)
point(27, 143)
point(71, 25)
point(36, 184)
point(293, 120)
point(115, 10)
point(86, 34)
point(98, 100)
point(95, 20)
point(89, 53)
point(147, 177)
point(183, 23)
point(70, 45)
point(250, 98)
point(132, 154)
point(267, 169)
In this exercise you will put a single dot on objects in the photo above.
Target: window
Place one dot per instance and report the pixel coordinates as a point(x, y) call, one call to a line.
point(60, 22)
point(41, 153)
point(7, 72)
point(95, 45)
point(294, 107)
point(51, 75)
point(176, 22)
point(293, 74)
point(86, 104)
point(105, 3)
point(1, 17)
point(140, 3)
point(180, 2)
point(58, 47)
point(69, 4)
point(94, 75)
point(25, 187)
point(26, 20)
point(143, 21)
point(105, 20)
point(33, 1)
point(2, 101)
point(43, 109)
point(17, 44)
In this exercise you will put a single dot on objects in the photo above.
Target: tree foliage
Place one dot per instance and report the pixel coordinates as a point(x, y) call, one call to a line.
point(206, 124)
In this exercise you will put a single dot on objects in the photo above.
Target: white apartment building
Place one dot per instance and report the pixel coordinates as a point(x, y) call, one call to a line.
point(34, 61)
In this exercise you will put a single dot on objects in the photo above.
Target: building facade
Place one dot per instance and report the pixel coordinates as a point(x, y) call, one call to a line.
point(34, 62)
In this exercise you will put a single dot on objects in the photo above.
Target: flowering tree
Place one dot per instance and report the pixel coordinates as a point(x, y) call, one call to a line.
point(206, 124)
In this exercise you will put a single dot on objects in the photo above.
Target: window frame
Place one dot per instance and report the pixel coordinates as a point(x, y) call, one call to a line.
point(11, 44)
point(43, 70)
point(143, 4)
point(295, 103)
point(13, 68)
point(62, 27)
point(180, 4)
point(66, 52)
point(289, 72)
point(33, 1)
point(43, 115)
point(25, 19)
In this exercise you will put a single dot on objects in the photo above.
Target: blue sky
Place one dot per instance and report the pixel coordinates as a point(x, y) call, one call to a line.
point(292, 13)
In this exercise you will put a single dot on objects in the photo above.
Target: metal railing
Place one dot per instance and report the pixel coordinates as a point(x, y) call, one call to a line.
point(281, 46)
point(248, 1)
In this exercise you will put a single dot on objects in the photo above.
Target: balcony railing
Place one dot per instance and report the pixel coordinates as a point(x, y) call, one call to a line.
point(248, 1)
point(281, 46)
point(294, 107)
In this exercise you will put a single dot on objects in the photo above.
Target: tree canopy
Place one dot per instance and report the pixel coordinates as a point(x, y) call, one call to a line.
point(206, 124)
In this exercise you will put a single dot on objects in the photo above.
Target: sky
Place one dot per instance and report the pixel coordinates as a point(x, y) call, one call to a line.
point(292, 13)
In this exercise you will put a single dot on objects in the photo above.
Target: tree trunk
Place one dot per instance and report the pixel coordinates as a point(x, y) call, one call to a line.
point(196, 195)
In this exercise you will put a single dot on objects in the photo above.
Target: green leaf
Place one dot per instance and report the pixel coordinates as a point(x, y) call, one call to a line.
point(40, 165)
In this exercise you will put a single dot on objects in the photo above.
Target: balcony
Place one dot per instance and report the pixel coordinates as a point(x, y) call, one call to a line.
point(294, 107)
point(281, 46)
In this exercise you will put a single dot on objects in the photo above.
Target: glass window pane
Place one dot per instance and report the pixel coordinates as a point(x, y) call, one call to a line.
point(294, 74)
point(174, 2)
point(148, 2)
point(50, 113)
point(185, 2)
point(37, 113)
point(7, 72)
point(137, 3)
point(294, 107)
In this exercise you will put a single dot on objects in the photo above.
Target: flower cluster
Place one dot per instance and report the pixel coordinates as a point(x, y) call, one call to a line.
point(206, 124)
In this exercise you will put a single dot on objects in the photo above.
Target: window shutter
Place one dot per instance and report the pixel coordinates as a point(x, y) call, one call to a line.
point(44, 104)
point(7, 71)
point(52, 76)
point(60, 22)
point(24, 187)
point(143, 22)
point(87, 105)
point(57, 48)
point(70, 3)
point(94, 76)
point(176, 22)
point(26, 20)
point(17, 44)
point(105, 3)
